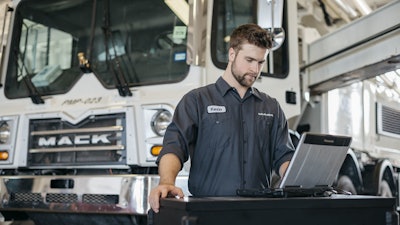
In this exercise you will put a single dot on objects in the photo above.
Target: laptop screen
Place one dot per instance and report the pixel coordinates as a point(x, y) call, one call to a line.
point(316, 161)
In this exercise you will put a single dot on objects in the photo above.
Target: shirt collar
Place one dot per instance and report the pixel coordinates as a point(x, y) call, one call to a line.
point(223, 87)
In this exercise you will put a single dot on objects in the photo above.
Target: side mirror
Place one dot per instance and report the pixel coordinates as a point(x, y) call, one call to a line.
point(278, 37)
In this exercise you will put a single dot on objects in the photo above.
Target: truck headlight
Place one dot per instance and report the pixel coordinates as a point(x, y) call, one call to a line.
point(160, 121)
point(4, 132)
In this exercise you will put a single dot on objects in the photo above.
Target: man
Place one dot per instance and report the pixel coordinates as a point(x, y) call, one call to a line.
point(234, 134)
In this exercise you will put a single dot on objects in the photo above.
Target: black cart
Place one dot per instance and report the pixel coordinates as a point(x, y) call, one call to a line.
point(335, 210)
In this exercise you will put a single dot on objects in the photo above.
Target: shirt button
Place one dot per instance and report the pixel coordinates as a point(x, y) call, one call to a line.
point(244, 162)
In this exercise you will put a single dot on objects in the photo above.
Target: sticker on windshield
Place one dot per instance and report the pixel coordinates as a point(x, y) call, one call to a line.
point(180, 56)
point(179, 32)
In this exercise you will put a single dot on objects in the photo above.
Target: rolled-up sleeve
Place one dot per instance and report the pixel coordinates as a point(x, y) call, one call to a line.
point(282, 144)
point(181, 133)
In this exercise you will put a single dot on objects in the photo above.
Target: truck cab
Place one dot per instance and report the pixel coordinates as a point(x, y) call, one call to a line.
point(89, 87)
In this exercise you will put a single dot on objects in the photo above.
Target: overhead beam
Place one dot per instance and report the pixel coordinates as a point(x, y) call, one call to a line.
point(362, 49)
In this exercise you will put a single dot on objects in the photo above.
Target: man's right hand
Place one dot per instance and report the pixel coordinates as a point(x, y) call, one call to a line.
point(163, 191)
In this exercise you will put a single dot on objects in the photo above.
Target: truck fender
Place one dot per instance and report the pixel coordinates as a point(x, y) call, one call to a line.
point(352, 169)
point(383, 171)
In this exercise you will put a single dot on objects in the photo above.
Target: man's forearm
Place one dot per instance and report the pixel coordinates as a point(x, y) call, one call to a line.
point(168, 168)
point(283, 168)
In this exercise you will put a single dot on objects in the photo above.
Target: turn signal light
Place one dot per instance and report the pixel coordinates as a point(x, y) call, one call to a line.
point(3, 155)
point(155, 150)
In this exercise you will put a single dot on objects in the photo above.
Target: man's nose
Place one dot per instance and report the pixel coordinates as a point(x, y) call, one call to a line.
point(255, 67)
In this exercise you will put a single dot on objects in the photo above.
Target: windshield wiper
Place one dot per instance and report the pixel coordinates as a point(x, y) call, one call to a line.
point(32, 90)
point(114, 64)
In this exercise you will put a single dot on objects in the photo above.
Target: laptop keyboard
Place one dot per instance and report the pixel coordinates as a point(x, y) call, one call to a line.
point(286, 192)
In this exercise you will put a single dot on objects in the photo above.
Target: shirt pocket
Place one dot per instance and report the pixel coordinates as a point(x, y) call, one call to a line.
point(216, 130)
point(264, 127)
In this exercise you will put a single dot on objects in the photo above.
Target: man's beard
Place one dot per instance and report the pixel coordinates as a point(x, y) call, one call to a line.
point(241, 79)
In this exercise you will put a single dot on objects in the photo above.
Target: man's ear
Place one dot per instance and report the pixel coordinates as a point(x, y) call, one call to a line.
point(232, 54)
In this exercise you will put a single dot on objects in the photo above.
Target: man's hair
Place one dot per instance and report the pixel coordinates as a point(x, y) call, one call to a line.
point(252, 34)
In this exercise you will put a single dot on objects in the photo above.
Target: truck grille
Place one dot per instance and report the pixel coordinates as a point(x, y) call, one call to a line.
point(61, 198)
point(21, 197)
point(25, 197)
point(388, 120)
point(100, 199)
point(96, 140)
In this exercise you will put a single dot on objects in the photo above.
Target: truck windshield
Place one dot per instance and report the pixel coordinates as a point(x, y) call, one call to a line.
point(126, 42)
point(229, 14)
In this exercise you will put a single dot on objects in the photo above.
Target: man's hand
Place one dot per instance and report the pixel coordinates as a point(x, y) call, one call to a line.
point(163, 191)
point(168, 169)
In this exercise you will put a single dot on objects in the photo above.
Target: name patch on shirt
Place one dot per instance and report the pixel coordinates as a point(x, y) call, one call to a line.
point(216, 109)
point(265, 114)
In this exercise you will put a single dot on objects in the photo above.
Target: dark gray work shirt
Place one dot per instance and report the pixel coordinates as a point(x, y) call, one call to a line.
point(232, 142)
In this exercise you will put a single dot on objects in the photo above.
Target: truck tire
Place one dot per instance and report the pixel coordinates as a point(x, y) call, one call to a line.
point(344, 183)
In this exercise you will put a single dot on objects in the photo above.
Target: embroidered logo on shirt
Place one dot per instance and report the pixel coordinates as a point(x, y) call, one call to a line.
point(216, 109)
point(266, 114)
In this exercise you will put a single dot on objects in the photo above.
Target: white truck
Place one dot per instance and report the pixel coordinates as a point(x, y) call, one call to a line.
point(352, 78)
point(88, 88)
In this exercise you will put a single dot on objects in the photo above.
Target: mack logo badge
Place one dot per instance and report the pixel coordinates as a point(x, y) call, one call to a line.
point(76, 140)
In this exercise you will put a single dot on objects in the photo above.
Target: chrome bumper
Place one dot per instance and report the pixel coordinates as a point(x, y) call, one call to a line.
point(115, 194)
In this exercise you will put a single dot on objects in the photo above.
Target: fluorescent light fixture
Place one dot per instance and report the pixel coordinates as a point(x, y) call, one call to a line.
point(180, 8)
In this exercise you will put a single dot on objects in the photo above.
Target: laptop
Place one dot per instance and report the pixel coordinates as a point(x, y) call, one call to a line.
point(313, 168)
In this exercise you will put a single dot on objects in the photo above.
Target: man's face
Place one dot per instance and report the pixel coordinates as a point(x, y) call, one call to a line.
point(247, 63)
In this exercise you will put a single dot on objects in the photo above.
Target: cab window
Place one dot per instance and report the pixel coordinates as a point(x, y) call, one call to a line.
point(126, 42)
point(229, 14)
